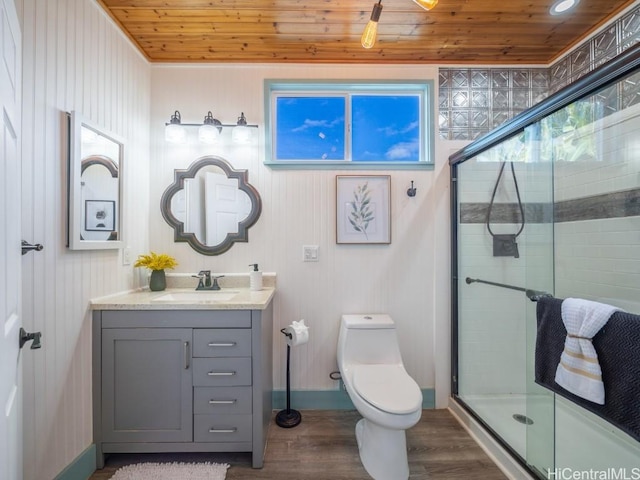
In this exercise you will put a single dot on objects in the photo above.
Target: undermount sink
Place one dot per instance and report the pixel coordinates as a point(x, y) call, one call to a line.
point(203, 296)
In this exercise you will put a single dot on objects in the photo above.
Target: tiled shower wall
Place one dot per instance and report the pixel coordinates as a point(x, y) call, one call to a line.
point(474, 101)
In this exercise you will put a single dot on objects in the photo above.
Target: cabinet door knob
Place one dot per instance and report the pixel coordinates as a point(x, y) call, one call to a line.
point(221, 374)
point(228, 344)
point(187, 355)
point(222, 402)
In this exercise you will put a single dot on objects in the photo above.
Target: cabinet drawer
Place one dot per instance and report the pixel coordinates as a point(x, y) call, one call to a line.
point(221, 372)
point(222, 400)
point(222, 428)
point(221, 342)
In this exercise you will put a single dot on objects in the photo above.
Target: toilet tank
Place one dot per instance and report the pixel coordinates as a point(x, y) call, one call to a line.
point(368, 339)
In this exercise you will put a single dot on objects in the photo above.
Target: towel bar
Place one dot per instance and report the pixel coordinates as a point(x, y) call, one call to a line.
point(532, 295)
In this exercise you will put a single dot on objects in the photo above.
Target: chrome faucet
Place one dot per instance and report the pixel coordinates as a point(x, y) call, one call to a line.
point(206, 281)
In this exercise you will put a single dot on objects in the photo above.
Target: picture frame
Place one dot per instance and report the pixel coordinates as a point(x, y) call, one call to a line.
point(99, 215)
point(363, 209)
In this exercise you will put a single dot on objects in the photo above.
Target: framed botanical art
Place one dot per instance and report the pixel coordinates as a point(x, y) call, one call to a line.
point(363, 209)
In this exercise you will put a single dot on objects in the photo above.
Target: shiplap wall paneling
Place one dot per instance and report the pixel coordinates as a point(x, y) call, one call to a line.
point(299, 209)
point(74, 59)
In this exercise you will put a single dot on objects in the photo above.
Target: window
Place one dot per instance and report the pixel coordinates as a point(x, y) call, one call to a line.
point(355, 125)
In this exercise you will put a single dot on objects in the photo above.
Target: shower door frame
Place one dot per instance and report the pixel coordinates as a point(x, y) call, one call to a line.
point(607, 74)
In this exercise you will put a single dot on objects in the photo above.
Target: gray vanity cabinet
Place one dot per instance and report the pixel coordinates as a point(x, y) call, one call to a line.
point(146, 380)
point(182, 381)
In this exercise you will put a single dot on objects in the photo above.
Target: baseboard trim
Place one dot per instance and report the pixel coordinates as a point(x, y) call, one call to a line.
point(82, 467)
point(331, 399)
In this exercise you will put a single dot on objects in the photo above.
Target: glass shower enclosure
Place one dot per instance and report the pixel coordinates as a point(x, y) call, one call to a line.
point(548, 203)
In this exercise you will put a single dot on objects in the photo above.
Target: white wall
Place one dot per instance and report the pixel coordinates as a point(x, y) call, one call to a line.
point(409, 279)
point(74, 59)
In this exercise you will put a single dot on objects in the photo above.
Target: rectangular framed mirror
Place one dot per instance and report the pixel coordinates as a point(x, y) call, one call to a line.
point(95, 186)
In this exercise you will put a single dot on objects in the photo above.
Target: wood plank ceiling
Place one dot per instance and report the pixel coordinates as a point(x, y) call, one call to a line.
point(328, 31)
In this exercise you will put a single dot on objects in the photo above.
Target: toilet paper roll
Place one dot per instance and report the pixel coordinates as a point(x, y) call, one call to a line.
point(297, 333)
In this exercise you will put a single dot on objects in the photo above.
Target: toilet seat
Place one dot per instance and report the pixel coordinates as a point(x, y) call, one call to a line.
point(387, 387)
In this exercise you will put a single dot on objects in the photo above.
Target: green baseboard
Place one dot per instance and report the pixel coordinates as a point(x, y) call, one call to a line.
point(331, 399)
point(82, 467)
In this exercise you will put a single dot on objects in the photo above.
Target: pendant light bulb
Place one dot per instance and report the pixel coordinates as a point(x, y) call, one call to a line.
point(368, 38)
point(426, 4)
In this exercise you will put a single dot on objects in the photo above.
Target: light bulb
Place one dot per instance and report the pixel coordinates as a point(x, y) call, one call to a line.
point(209, 131)
point(208, 134)
point(241, 133)
point(426, 4)
point(175, 133)
point(368, 38)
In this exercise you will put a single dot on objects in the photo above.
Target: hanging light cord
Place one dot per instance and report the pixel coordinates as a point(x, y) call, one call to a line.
point(493, 196)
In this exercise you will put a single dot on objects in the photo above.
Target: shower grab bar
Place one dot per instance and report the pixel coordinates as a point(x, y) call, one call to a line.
point(532, 295)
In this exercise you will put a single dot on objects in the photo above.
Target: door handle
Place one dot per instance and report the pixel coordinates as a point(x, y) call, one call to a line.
point(27, 247)
point(26, 337)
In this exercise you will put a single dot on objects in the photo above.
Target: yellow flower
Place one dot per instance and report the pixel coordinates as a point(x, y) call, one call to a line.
point(153, 261)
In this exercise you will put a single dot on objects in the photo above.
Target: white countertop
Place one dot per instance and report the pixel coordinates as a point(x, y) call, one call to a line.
point(242, 299)
point(233, 295)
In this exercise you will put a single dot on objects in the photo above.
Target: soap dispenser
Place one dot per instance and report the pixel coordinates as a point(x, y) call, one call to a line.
point(255, 278)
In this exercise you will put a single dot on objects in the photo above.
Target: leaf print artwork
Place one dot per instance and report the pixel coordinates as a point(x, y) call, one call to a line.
point(363, 206)
point(361, 213)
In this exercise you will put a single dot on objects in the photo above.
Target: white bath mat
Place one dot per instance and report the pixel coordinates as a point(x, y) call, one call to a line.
point(172, 471)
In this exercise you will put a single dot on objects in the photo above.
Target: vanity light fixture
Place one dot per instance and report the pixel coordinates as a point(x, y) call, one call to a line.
point(174, 132)
point(209, 130)
point(241, 134)
point(563, 6)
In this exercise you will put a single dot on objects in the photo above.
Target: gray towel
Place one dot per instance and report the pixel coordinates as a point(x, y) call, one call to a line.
point(618, 347)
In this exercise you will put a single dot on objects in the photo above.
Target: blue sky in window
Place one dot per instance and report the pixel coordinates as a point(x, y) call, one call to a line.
point(385, 128)
point(310, 128)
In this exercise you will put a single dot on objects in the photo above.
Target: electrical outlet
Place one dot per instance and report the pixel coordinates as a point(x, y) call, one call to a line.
point(310, 253)
point(126, 256)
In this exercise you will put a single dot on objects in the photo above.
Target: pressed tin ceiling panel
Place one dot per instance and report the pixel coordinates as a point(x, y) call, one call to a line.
point(328, 31)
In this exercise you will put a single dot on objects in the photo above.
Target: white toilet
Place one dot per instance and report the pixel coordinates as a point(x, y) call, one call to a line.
point(382, 391)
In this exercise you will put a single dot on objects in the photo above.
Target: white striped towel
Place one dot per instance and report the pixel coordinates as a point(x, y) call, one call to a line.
point(579, 371)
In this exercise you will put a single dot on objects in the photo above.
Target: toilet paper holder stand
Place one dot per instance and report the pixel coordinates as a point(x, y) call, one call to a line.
point(288, 417)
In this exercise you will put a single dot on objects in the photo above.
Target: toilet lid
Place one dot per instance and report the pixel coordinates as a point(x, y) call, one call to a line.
point(387, 387)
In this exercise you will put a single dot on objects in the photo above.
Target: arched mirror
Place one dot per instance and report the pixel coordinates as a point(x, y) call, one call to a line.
point(95, 186)
point(210, 205)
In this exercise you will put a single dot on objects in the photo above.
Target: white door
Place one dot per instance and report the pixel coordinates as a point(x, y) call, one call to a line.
point(10, 251)
point(225, 206)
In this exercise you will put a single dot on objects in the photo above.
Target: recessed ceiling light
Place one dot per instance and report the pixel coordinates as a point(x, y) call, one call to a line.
point(562, 6)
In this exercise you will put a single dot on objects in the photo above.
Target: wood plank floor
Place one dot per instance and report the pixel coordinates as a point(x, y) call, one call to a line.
point(323, 447)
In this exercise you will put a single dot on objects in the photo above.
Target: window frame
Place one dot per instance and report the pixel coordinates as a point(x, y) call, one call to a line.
point(273, 89)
